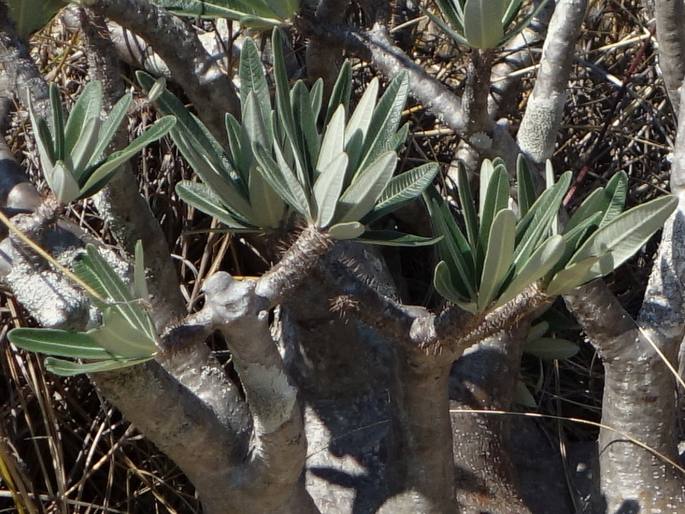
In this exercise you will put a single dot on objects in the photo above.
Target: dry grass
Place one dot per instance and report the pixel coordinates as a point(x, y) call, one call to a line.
point(64, 450)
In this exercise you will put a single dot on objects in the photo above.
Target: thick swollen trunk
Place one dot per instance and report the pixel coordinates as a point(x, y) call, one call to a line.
point(638, 405)
point(485, 378)
point(670, 33)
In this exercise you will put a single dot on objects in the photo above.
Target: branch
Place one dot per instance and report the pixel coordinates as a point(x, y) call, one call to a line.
point(323, 60)
point(124, 209)
point(517, 54)
point(374, 46)
point(638, 399)
point(670, 34)
point(540, 125)
point(276, 459)
point(205, 84)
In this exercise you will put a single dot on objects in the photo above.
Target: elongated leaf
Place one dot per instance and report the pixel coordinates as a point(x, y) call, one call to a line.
point(119, 337)
point(498, 258)
point(253, 79)
point(363, 113)
point(306, 123)
point(267, 207)
point(64, 185)
point(44, 143)
point(226, 190)
point(551, 348)
point(452, 12)
point(627, 233)
point(139, 282)
point(524, 23)
point(467, 206)
point(393, 238)
point(59, 343)
point(511, 12)
point(360, 198)
point(232, 9)
point(456, 36)
point(386, 119)
point(96, 271)
point(442, 280)
point(538, 220)
point(57, 123)
point(110, 126)
point(87, 106)
point(282, 179)
point(537, 331)
point(342, 91)
point(328, 188)
point(486, 171)
point(349, 230)
point(496, 200)
point(454, 248)
point(523, 396)
point(596, 203)
point(483, 26)
point(572, 276)
point(201, 197)
point(106, 170)
point(537, 266)
point(402, 189)
point(69, 369)
point(82, 153)
point(333, 140)
point(616, 190)
point(525, 185)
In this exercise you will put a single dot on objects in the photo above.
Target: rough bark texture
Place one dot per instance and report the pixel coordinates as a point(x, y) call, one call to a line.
point(207, 86)
point(670, 33)
point(540, 125)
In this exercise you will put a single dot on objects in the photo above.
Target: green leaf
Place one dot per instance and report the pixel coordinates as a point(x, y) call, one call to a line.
point(537, 331)
point(93, 269)
point(498, 258)
point(403, 188)
point(201, 197)
point(267, 207)
point(574, 275)
point(537, 222)
point(483, 26)
point(616, 190)
point(306, 122)
point(63, 184)
point(251, 13)
point(386, 119)
point(524, 23)
point(44, 143)
point(595, 203)
point(333, 141)
point(467, 206)
point(343, 231)
point(327, 189)
point(442, 280)
point(120, 337)
point(316, 97)
point(30, 16)
point(103, 173)
point(393, 238)
point(551, 348)
point(454, 34)
point(59, 343)
point(360, 198)
point(110, 127)
point(87, 107)
point(57, 123)
point(496, 200)
point(537, 266)
point(360, 120)
point(522, 396)
point(525, 185)
point(454, 248)
point(82, 152)
point(253, 79)
point(282, 179)
point(139, 283)
point(627, 233)
point(69, 369)
point(342, 90)
point(511, 11)
point(453, 12)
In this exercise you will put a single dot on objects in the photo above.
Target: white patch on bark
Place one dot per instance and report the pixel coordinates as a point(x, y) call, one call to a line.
point(542, 118)
point(270, 395)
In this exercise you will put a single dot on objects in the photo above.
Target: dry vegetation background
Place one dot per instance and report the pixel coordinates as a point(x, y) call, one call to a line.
point(75, 453)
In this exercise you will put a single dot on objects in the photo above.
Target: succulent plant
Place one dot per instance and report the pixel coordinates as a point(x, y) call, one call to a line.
point(126, 337)
point(483, 24)
point(73, 152)
point(279, 165)
point(504, 252)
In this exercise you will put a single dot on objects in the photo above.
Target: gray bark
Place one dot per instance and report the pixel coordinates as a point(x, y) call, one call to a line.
point(670, 33)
